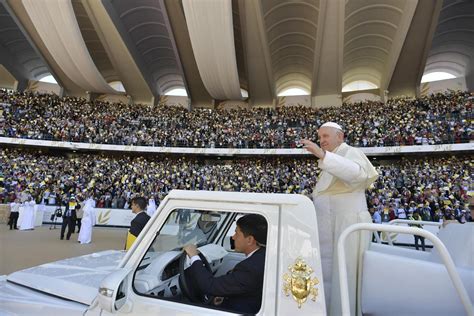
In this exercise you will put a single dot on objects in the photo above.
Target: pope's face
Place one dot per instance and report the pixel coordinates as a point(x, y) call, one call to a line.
point(330, 138)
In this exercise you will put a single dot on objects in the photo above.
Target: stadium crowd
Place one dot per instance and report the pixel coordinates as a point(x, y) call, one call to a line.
point(434, 187)
point(435, 119)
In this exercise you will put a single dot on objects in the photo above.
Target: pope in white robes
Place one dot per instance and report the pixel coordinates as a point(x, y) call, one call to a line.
point(88, 221)
point(339, 199)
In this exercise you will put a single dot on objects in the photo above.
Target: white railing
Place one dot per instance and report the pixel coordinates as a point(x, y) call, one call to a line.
point(437, 243)
point(404, 221)
point(411, 222)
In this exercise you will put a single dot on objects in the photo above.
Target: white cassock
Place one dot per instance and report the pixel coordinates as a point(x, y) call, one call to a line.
point(39, 211)
point(151, 208)
point(339, 199)
point(88, 221)
point(28, 217)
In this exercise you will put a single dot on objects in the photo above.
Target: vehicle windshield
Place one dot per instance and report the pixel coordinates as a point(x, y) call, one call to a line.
point(187, 226)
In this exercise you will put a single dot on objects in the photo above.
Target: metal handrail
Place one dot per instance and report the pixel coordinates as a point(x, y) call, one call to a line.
point(405, 221)
point(437, 243)
point(412, 222)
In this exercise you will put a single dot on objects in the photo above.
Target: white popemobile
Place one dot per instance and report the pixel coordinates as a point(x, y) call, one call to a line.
point(149, 279)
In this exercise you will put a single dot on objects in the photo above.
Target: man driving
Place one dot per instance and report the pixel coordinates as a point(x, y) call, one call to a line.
point(242, 286)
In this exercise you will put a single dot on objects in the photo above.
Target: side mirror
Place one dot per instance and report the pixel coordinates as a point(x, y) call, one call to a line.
point(112, 291)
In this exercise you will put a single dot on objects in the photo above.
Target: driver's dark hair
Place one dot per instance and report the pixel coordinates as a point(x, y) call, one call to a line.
point(140, 201)
point(254, 225)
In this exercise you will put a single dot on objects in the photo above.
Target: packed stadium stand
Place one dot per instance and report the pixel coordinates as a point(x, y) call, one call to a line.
point(151, 77)
point(104, 101)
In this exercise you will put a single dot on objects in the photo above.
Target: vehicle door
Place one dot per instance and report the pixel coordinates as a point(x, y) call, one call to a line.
point(124, 294)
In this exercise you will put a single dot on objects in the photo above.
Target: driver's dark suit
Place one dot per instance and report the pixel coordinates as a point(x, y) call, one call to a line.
point(241, 287)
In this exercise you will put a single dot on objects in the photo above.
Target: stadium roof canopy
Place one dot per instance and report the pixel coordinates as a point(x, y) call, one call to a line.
point(212, 50)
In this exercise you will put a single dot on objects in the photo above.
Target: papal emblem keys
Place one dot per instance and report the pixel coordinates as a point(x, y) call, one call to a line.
point(299, 283)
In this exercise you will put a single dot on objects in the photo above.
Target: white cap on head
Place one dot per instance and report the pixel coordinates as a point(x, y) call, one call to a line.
point(333, 125)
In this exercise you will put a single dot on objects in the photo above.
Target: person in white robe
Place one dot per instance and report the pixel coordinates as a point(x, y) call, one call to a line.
point(88, 221)
point(27, 220)
point(340, 201)
point(39, 212)
point(151, 208)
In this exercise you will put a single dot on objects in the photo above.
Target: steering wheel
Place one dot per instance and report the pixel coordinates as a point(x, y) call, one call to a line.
point(183, 281)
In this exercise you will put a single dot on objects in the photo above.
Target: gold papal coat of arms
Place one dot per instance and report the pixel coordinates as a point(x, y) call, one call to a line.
point(300, 283)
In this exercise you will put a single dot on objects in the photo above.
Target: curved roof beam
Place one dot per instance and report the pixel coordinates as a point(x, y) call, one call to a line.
point(218, 67)
point(450, 62)
point(297, 70)
point(383, 50)
point(285, 4)
point(58, 28)
point(261, 84)
point(462, 53)
point(293, 56)
point(293, 45)
point(297, 74)
point(376, 59)
point(152, 49)
point(127, 70)
point(144, 39)
point(412, 60)
point(292, 83)
point(40, 74)
point(294, 65)
point(387, 23)
point(362, 76)
point(388, 39)
point(454, 37)
point(374, 6)
point(145, 24)
point(454, 31)
point(8, 29)
point(145, 28)
point(376, 66)
point(402, 19)
point(93, 42)
point(140, 8)
point(26, 29)
point(17, 40)
point(292, 29)
point(312, 38)
point(455, 17)
point(456, 71)
point(465, 43)
point(329, 47)
point(195, 88)
point(292, 19)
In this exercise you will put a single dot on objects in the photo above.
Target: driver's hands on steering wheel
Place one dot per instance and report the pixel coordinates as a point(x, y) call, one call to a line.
point(191, 250)
point(184, 282)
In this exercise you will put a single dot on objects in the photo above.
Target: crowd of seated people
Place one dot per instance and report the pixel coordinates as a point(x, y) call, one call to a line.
point(437, 187)
point(436, 119)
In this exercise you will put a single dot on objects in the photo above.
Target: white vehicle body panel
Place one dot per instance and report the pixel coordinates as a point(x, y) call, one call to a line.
point(70, 286)
point(292, 233)
point(76, 279)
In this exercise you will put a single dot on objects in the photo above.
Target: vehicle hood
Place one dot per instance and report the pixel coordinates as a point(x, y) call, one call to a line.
point(77, 279)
